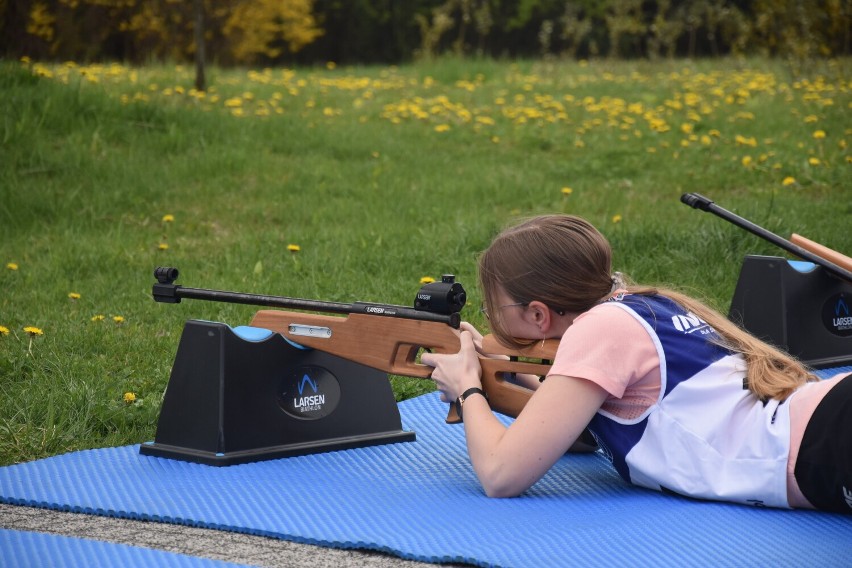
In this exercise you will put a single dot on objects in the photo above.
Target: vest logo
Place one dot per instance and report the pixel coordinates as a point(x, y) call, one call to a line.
point(847, 496)
point(309, 393)
point(691, 323)
point(837, 315)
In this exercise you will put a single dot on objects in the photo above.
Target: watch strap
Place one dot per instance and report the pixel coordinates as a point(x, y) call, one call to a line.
point(463, 396)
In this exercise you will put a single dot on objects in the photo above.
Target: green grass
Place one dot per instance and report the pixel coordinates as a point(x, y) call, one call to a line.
point(381, 176)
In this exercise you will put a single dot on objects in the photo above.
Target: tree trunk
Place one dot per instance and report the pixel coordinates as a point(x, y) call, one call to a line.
point(200, 81)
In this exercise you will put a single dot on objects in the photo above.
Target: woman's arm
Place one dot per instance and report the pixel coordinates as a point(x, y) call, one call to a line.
point(509, 460)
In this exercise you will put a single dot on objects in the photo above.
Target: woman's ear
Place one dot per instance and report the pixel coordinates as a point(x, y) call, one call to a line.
point(538, 314)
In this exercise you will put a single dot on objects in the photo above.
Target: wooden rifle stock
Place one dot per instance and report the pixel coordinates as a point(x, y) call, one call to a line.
point(822, 251)
point(392, 346)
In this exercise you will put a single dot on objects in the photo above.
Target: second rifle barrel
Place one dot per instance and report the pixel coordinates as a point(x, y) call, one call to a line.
point(698, 201)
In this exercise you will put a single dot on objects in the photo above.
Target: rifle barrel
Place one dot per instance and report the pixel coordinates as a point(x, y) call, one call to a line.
point(168, 292)
point(698, 201)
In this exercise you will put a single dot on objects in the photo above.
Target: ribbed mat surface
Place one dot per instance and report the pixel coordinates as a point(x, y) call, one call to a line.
point(422, 501)
point(21, 549)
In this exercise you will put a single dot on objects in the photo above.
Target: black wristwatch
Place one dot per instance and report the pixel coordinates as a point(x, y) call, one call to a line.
point(464, 396)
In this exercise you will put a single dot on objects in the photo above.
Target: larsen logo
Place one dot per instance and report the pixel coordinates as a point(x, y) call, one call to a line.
point(837, 315)
point(309, 393)
point(691, 323)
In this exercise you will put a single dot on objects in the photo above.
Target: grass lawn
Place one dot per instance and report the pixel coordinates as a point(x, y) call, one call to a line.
point(347, 184)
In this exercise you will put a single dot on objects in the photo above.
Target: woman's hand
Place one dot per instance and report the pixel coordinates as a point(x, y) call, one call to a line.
point(454, 373)
point(475, 335)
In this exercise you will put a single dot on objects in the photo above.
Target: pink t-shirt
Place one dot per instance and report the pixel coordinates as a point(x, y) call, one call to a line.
point(609, 347)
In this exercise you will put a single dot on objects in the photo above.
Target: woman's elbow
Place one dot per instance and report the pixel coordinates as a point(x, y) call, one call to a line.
point(498, 484)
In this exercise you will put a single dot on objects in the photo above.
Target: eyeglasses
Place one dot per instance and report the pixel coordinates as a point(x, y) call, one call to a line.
point(484, 310)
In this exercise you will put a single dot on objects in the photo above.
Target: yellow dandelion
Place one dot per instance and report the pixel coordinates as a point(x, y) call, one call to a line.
point(169, 218)
point(33, 331)
point(442, 128)
point(810, 119)
point(98, 317)
point(294, 248)
point(118, 319)
point(4, 330)
point(814, 161)
point(129, 397)
point(495, 139)
point(567, 191)
point(427, 280)
point(74, 295)
point(11, 266)
point(330, 65)
point(747, 161)
point(789, 180)
point(163, 246)
point(616, 218)
point(819, 134)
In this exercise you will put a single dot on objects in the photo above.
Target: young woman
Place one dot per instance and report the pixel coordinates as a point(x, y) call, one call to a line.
point(678, 397)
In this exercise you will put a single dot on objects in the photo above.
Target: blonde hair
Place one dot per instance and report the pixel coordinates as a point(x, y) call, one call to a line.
point(566, 263)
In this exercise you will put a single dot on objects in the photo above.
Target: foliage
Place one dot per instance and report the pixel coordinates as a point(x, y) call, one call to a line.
point(238, 31)
point(390, 31)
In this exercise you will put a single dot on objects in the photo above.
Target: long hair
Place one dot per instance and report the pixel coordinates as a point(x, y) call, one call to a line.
point(566, 263)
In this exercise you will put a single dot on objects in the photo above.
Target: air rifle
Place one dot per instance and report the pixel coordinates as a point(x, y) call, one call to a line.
point(383, 336)
point(833, 262)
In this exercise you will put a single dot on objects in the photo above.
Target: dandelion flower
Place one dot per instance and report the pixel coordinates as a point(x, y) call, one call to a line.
point(118, 319)
point(818, 134)
point(11, 266)
point(4, 330)
point(74, 295)
point(33, 331)
point(427, 280)
point(567, 191)
point(789, 180)
point(98, 317)
point(169, 218)
point(814, 161)
point(747, 161)
point(442, 128)
point(294, 248)
point(129, 397)
point(616, 218)
point(163, 246)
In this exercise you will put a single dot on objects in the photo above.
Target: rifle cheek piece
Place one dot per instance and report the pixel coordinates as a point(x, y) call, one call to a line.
point(445, 297)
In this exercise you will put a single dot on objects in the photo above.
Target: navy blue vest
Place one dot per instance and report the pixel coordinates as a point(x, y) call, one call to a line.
point(687, 347)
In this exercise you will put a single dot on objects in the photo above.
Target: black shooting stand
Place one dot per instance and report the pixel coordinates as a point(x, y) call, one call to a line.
point(803, 307)
point(234, 399)
point(248, 394)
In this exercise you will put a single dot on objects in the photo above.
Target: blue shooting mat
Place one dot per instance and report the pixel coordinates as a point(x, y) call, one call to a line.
point(27, 549)
point(421, 501)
